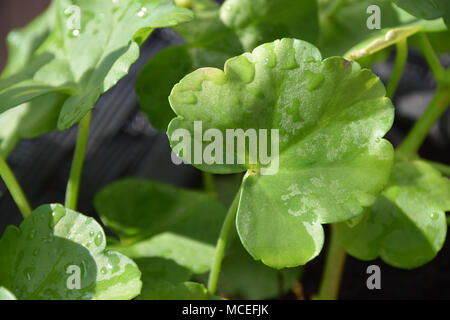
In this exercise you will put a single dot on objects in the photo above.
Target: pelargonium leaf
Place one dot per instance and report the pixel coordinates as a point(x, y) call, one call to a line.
point(260, 21)
point(406, 226)
point(38, 258)
point(330, 116)
point(154, 219)
point(85, 60)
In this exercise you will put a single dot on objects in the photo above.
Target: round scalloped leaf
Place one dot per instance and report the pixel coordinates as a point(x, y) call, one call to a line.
point(330, 116)
point(271, 20)
point(406, 226)
point(81, 48)
point(57, 253)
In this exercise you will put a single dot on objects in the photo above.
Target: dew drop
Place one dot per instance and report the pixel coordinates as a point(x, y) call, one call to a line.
point(103, 270)
point(28, 272)
point(313, 80)
point(142, 13)
point(35, 252)
point(434, 216)
point(91, 234)
point(98, 239)
point(31, 234)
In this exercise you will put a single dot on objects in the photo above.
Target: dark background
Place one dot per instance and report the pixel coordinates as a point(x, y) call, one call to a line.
point(122, 143)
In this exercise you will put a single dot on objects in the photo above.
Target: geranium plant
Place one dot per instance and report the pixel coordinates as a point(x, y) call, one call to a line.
point(283, 74)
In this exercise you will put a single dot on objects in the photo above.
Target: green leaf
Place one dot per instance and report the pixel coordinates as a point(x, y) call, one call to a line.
point(344, 29)
point(406, 227)
point(169, 222)
point(425, 9)
point(81, 61)
point(137, 209)
point(331, 117)
point(165, 280)
point(5, 294)
point(260, 21)
point(36, 259)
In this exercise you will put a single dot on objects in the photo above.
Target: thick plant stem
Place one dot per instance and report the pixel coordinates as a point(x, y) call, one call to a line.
point(400, 61)
point(334, 268)
point(419, 132)
point(221, 244)
point(431, 57)
point(14, 188)
point(73, 186)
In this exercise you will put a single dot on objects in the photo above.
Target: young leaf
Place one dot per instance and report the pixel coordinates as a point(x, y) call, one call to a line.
point(260, 21)
point(56, 248)
point(330, 116)
point(82, 59)
point(168, 222)
point(406, 227)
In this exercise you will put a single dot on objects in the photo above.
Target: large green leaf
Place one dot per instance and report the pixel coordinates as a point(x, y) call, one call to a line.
point(82, 61)
point(407, 226)
point(213, 37)
point(36, 259)
point(154, 219)
point(260, 21)
point(331, 117)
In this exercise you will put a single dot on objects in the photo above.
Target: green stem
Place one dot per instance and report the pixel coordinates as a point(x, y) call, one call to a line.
point(443, 168)
point(208, 183)
point(14, 188)
point(221, 244)
point(73, 186)
point(334, 268)
point(400, 61)
point(419, 132)
point(431, 57)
